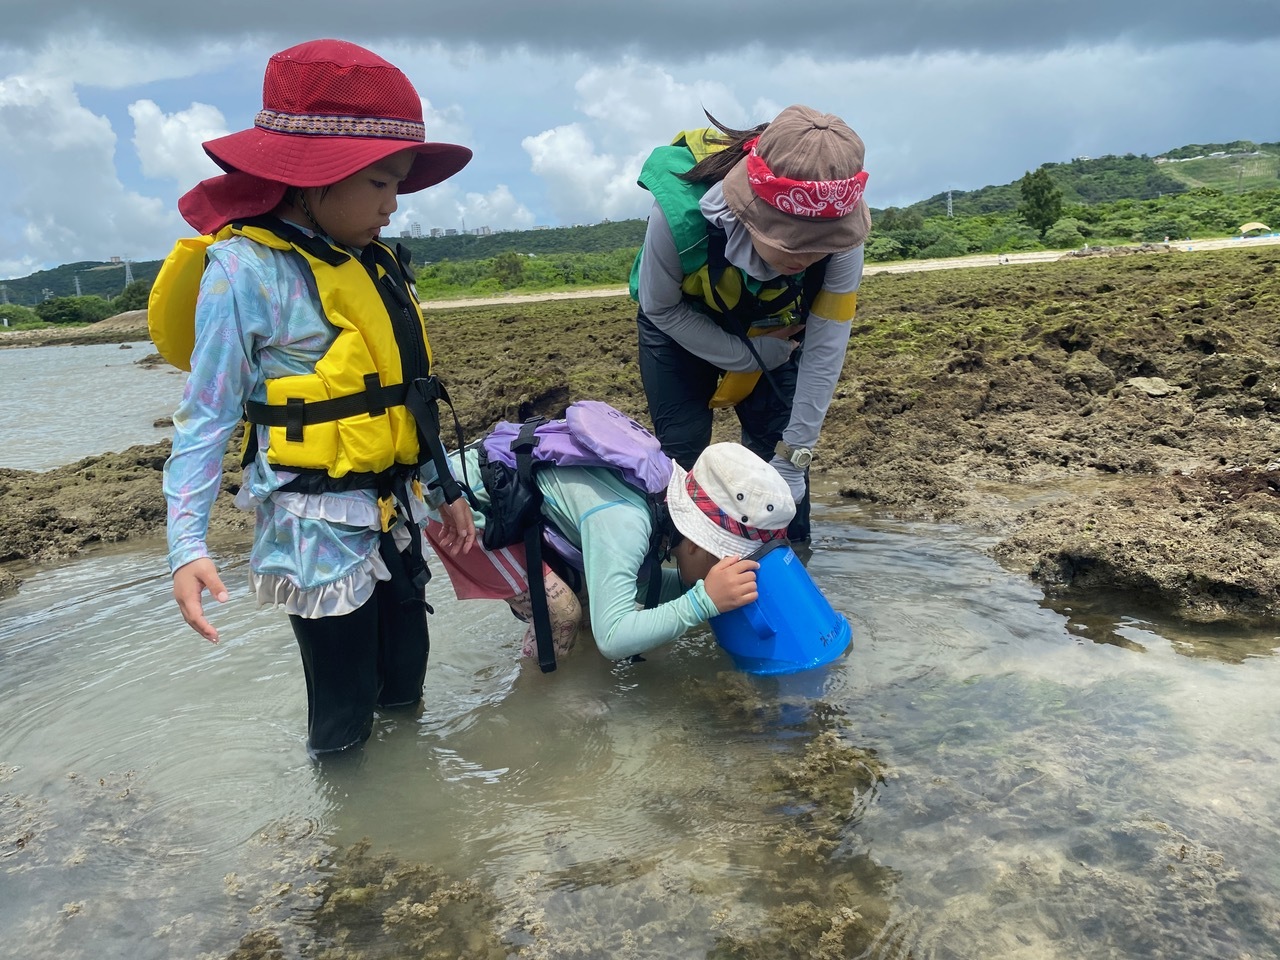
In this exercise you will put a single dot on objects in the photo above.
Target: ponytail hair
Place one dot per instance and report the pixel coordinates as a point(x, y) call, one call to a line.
point(714, 167)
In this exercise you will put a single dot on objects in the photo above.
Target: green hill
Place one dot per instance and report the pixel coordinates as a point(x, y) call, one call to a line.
point(598, 238)
point(107, 279)
point(104, 280)
point(1096, 191)
point(1237, 167)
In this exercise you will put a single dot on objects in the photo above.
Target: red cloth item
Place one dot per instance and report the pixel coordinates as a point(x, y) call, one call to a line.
point(712, 511)
point(826, 199)
point(213, 203)
point(481, 574)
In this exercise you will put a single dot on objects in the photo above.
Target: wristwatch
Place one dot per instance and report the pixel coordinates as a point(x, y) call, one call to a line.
point(797, 456)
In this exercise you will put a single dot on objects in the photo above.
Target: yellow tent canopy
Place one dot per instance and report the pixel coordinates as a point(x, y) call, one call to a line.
point(1255, 225)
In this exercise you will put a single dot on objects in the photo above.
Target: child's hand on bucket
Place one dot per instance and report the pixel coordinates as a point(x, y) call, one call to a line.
point(189, 581)
point(731, 583)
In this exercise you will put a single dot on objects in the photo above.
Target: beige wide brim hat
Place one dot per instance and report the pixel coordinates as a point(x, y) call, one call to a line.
point(802, 144)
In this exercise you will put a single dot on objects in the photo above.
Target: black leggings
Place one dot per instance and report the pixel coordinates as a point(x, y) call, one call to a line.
point(375, 656)
point(678, 385)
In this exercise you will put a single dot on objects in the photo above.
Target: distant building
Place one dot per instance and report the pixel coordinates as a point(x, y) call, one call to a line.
point(437, 232)
point(450, 232)
point(415, 230)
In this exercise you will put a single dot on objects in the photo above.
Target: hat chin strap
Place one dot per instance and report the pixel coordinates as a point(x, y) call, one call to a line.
point(306, 208)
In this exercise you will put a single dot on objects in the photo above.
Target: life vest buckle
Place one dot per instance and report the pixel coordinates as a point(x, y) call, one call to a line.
point(387, 508)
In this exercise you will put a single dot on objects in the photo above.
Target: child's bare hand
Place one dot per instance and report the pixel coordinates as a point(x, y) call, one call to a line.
point(731, 583)
point(459, 534)
point(189, 582)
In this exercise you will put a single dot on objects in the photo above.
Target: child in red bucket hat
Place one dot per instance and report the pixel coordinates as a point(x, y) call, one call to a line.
point(307, 325)
point(754, 242)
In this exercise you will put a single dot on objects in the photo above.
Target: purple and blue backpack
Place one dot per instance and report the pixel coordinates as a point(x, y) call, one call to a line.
point(591, 434)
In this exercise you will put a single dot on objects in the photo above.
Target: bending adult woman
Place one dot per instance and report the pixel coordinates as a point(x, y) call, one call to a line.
point(751, 264)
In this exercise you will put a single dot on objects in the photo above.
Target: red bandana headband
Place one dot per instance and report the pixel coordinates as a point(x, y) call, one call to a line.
point(702, 500)
point(819, 199)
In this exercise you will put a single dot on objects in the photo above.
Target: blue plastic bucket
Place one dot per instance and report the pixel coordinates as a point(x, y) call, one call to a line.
point(790, 626)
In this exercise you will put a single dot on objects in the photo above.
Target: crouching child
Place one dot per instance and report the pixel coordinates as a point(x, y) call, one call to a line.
point(608, 517)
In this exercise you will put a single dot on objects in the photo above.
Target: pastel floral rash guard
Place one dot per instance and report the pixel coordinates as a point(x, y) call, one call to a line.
point(258, 318)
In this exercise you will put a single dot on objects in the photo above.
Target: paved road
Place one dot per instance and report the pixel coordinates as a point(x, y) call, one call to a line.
point(902, 266)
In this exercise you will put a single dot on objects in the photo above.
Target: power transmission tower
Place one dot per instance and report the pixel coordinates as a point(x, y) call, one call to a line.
point(4, 293)
point(948, 203)
point(128, 272)
point(78, 285)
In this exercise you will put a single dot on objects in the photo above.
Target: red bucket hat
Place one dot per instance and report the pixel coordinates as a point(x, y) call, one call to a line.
point(329, 109)
point(799, 187)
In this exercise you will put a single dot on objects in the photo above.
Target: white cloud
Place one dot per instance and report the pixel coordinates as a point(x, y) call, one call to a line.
point(445, 207)
point(169, 145)
point(89, 57)
point(584, 186)
point(643, 101)
point(445, 125)
point(62, 190)
point(590, 167)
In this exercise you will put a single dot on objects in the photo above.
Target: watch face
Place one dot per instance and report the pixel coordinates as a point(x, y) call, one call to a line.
point(797, 456)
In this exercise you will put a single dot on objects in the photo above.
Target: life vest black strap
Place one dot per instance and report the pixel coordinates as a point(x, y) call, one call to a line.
point(749, 307)
point(659, 519)
point(296, 413)
point(408, 568)
point(422, 402)
point(317, 247)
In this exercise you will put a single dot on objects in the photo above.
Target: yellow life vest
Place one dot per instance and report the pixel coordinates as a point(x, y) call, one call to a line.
point(351, 415)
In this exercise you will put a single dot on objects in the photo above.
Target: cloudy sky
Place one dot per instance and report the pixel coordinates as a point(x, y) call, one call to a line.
point(104, 103)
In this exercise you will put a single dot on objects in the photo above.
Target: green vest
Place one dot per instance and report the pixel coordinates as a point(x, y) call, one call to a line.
point(679, 201)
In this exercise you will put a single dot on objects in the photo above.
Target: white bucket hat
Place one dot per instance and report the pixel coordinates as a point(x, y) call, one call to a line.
point(731, 502)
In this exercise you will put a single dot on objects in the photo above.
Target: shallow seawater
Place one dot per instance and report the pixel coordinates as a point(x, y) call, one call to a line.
point(981, 775)
point(83, 400)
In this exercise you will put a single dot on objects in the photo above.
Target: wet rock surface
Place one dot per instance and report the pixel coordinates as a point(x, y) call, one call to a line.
point(1111, 422)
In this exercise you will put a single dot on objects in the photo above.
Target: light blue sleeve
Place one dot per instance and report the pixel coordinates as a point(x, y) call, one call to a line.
point(221, 379)
point(615, 539)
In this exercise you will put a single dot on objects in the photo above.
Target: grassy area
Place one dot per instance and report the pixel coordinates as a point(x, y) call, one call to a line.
point(1228, 174)
point(508, 361)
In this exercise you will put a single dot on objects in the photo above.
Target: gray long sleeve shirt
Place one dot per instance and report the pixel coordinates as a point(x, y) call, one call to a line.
point(825, 339)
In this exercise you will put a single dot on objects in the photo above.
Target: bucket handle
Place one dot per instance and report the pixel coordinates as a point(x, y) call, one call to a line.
point(759, 622)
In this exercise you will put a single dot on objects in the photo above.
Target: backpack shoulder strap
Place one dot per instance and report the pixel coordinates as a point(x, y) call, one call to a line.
point(522, 447)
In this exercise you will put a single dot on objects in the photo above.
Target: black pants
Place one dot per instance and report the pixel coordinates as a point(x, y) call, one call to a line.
point(678, 385)
point(375, 656)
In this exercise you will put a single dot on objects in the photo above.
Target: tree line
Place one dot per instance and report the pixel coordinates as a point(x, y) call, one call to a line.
point(1104, 201)
point(87, 308)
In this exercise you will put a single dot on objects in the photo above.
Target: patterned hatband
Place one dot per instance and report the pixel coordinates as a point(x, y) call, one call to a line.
point(702, 500)
point(325, 125)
